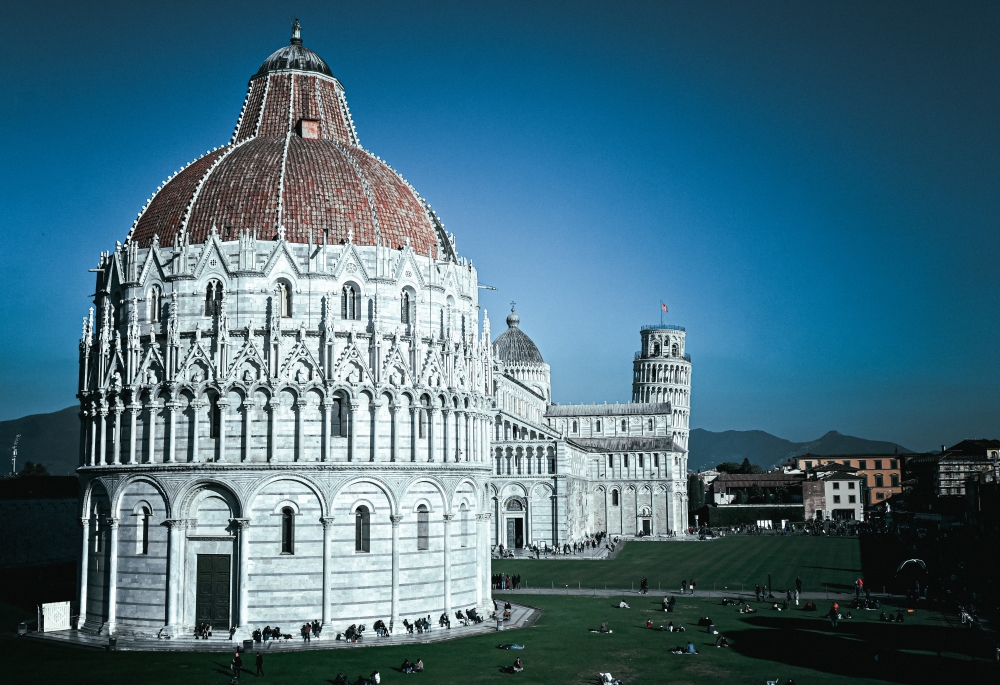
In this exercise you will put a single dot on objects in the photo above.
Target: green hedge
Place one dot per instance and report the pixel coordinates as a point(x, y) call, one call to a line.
point(750, 514)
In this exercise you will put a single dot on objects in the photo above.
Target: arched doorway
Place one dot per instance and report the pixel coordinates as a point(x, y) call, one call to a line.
point(514, 514)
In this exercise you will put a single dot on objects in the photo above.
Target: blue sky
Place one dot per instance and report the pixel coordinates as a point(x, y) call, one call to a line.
point(813, 188)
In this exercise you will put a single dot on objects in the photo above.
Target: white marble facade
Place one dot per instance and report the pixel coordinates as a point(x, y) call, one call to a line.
point(562, 472)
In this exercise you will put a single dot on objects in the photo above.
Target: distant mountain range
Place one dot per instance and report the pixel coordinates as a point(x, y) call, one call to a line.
point(54, 440)
point(707, 449)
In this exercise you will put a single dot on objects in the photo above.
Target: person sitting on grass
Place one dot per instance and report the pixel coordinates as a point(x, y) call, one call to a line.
point(623, 605)
point(747, 609)
point(691, 649)
point(604, 627)
point(722, 641)
point(407, 667)
point(899, 616)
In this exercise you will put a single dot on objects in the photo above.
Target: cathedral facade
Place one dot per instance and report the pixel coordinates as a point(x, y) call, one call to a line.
point(562, 472)
point(291, 410)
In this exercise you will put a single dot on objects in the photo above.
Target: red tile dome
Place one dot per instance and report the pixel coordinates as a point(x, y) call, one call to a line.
point(294, 163)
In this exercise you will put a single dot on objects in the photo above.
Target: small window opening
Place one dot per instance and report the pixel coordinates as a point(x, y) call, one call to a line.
point(614, 498)
point(287, 531)
point(423, 527)
point(362, 529)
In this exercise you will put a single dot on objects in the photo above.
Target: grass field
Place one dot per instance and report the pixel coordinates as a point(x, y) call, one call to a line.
point(724, 562)
point(929, 647)
point(561, 650)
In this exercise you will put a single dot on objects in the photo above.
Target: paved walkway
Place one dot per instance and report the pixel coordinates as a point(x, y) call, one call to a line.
point(521, 616)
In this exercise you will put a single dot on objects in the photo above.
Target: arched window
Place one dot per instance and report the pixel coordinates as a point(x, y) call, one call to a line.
point(213, 297)
point(649, 424)
point(98, 533)
point(404, 308)
point(575, 427)
point(349, 303)
point(155, 303)
point(614, 498)
point(423, 527)
point(611, 461)
point(423, 423)
point(464, 513)
point(142, 531)
point(362, 529)
point(673, 350)
point(597, 426)
point(287, 531)
point(213, 425)
point(283, 299)
point(624, 425)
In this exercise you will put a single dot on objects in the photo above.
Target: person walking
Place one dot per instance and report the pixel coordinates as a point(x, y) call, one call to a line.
point(691, 587)
point(756, 590)
point(259, 663)
point(684, 586)
point(796, 597)
point(834, 614)
point(237, 665)
point(798, 584)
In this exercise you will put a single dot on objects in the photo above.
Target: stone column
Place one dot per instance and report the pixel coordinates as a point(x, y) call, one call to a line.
point(527, 519)
point(394, 617)
point(92, 452)
point(175, 531)
point(103, 411)
point(271, 436)
point(243, 593)
point(84, 569)
point(196, 408)
point(373, 446)
point(447, 518)
point(109, 627)
point(432, 413)
point(325, 449)
point(468, 437)
point(300, 436)
point(484, 555)
point(223, 409)
point(327, 522)
point(249, 406)
point(172, 435)
point(413, 433)
point(351, 425)
point(445, 447)
point(394, 432)
point(133, 412)
point(116, 436)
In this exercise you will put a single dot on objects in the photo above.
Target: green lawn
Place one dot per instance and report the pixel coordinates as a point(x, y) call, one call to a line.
point(560, 650)
point(730, 562)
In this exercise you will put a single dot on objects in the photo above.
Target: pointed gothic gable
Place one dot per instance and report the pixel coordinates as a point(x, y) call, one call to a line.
point(248, 364)
point(432, 374)
point(197, 366)
point(351, 366)
point(406, 268)
point(396, 371)
point(115, 368)
point(152, 363)
point(281, 252)
point(152, 265)
point(213, 250)
point(351, 262)
point(462, 379)
point(301, 366)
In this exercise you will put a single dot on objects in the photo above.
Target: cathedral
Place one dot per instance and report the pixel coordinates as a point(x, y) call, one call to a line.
point(291, 409)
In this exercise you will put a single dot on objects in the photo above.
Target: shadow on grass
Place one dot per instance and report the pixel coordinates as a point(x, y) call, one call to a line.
point(905, 653)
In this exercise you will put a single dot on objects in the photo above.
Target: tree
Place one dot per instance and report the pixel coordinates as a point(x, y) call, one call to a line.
point(695, 492)
point(756, 495)
point(31, 469)
point(747, 467)
point(741, 497)
point(729, 467)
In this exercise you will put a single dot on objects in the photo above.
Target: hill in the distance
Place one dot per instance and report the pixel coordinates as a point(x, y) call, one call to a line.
point(49, 439)
point(54, 440)
point(707, 449)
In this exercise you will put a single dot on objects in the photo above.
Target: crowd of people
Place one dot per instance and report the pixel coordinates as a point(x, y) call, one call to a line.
point(505, 581)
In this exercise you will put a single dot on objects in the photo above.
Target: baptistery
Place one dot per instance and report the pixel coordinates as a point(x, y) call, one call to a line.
point(286, 399)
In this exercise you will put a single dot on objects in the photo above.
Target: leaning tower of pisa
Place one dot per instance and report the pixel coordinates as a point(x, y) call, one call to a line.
point(661, 372)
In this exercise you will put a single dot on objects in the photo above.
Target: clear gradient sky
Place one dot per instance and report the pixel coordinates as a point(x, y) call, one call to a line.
point(812, 187)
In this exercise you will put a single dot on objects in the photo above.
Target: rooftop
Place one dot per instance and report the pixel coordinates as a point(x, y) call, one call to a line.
point(662, 327)
point(630, 409)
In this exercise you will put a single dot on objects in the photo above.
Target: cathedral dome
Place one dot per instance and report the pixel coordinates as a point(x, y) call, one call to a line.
point(294, 168)
point(514, 347)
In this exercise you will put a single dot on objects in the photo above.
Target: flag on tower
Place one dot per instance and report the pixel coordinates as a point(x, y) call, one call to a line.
point(663, 305)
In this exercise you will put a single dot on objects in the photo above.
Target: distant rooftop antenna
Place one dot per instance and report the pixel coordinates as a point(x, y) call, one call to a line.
point(13, 458)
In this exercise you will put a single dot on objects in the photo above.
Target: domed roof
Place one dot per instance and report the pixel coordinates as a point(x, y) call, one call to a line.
point(317, 183)
point(294, 56)
point(514, 347)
